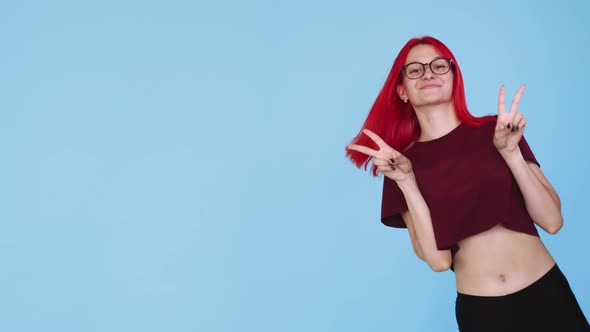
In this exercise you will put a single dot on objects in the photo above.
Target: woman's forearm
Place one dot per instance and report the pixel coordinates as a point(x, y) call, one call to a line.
point(438, 260)
point(542, 202)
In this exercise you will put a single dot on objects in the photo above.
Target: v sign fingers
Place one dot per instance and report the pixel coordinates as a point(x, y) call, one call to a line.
point(507, 120)
point(509, 125)
point(385, 151)
point(387, 160)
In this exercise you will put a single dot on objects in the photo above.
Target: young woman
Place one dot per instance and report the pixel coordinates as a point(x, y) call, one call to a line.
point(469, 190)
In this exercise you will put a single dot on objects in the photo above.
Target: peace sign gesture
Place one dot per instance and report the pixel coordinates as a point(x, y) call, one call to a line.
point(509, 126)
point(388, 161)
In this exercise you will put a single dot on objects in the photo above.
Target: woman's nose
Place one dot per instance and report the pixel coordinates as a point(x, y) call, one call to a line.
point(428, 74)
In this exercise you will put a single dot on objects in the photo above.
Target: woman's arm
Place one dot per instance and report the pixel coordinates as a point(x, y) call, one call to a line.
point(542, 201)
point(397, 167)
point(419, 223)
point(540, 198)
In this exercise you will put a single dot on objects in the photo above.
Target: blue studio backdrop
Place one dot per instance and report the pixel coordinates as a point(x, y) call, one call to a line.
point(179, 165)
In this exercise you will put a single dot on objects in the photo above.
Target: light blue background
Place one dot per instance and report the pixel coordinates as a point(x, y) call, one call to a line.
point(179, 166)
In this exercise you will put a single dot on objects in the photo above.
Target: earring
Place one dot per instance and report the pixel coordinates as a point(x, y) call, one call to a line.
point(405, 99)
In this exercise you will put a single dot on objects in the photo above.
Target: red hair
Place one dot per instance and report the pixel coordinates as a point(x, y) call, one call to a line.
point(395, 121)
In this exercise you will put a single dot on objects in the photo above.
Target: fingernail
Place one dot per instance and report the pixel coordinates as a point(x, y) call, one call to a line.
point(508, 126)
point(513, 128)
point(517, 127)
point(393, 167)
point(391, 160)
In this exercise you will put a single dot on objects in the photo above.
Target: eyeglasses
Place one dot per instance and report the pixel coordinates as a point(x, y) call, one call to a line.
point(438, 66)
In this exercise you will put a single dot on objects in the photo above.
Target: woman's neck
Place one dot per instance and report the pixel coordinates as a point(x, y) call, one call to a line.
point(436, 121)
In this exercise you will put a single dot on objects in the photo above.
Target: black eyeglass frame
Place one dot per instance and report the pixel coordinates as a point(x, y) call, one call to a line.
point(449, 60)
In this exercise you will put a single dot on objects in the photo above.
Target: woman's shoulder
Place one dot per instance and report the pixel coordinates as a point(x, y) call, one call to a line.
point(485, 127)
point(487, 121)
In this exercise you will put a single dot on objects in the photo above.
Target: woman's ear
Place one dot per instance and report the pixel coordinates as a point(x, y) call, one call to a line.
point(402, 93)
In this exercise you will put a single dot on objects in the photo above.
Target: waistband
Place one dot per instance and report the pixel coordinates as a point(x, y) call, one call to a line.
point(554, 272)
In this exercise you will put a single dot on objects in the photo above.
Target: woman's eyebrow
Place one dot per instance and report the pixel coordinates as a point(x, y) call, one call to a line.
point(435, 58)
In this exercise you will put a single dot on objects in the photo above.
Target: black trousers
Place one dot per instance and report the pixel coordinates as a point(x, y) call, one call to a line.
point(548, 304)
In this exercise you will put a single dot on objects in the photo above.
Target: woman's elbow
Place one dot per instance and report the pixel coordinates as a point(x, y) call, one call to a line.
point(555, 226)
point(442, 262)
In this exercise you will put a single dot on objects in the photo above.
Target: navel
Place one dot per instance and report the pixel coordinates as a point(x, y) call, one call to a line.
point(502, 278)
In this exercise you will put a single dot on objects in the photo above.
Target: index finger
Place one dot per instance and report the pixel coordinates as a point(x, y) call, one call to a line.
point(380, 142)
point(501, 102)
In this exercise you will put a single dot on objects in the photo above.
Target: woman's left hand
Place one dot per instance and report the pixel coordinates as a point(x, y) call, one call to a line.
point(509, 126)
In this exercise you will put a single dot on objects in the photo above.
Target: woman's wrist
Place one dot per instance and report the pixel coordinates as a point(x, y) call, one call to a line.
point(512, 156)
point(408, 183)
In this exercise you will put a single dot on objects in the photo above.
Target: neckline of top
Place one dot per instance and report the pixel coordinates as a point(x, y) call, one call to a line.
point(443, 137)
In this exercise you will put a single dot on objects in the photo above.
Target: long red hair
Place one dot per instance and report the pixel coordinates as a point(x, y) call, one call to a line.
point(395, 121)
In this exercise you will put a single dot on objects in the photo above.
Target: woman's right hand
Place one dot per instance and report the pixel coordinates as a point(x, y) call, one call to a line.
point(390, 162)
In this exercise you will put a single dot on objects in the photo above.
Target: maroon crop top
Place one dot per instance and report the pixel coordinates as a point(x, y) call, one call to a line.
point(466, 184)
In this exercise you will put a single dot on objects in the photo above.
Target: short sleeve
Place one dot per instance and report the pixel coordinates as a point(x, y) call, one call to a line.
point(526, 151)
point(392, 204)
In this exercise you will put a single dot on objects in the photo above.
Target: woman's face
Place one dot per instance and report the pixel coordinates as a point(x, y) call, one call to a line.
point(430, 89)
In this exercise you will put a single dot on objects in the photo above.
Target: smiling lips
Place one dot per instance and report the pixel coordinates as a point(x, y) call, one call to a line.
point(430, 86)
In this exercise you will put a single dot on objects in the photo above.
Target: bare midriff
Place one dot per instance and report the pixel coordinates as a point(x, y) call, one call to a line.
point(499, 262)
